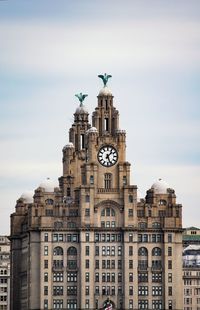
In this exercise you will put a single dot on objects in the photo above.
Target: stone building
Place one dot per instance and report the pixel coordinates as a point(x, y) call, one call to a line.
point(4, 273)
point(89, 241)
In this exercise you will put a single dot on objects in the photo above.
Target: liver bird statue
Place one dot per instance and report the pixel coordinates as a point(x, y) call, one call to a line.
point(81, 98)
point(105, 78)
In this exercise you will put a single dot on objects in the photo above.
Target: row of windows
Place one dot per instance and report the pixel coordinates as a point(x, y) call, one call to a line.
point(62, 237)
point(109, 264)
point(58, 304)
point(59, 251)
point(108, 237)
point(108, 250)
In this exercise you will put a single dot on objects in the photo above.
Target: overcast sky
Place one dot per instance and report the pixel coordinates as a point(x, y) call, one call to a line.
point(50, 50)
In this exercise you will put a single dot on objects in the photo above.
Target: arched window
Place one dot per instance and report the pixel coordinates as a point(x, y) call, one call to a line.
point(72, 251)
point(107, 180)
point(71, 224)
point(58, 251)
point(156, 252)
point(49, 201)
point(162, 202)
point(108, 212)
point(142, 251)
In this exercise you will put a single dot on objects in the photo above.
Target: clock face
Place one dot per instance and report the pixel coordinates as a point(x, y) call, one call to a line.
point(107, 156)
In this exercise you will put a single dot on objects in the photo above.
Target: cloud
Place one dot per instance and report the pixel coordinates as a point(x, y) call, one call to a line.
point(58, 48)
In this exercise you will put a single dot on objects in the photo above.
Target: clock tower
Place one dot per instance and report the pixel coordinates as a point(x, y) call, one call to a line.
point(90, 242)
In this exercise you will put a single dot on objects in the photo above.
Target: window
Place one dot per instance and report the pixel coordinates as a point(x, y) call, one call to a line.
point(57, 304)
point(169, 277)
point(57, 290)
point(45, 290)
point(87, 212)
point(130, 250)
point(170, 291)
point(119, 277)
point(130, 277)
point(142, 251)
point(143, 304)
point(87, 237)
point(169, 264)
point(130, 290)
point(157, 304)
point(68, 191)
point(156, 290)
point(156, 264)
point(130, 263)
point(87, 263)
point(87, 250)
point(96, 290)
point(91, 179)
point(143, 290)
point(124, 180)
point(72, 290)
point(87, 290)
point(46, 237)
point(71, 277)
point(58, 251)
point(45, 263)
point(58, 276)
point(169, 238)
point(107, 180)
point(96, 277)
point(130, 198)
point(156, 277)
point(119, 250)
point(156, 225)
point(156, 252)
point(87, 303)
point(97, 250)
point(71, 304)
point(45, 250)
point(130, 212)
point(169, 251)
point(87, 277)
point(87, 198)
point(72, 251)
point(142, 277)
point(45, 277)
point(45, 304)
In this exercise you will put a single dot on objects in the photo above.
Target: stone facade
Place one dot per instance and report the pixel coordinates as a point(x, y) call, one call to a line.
point(90, 240)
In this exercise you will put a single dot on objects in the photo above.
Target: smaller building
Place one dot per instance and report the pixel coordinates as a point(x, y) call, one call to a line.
point(191, 277)
point(191, 235)
point(4, 273)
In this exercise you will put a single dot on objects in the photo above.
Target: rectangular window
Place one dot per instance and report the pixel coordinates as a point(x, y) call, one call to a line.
point(170, 291)
point(119, 250)
point(46, 263)
point(57, 304)
point(130, 250)
point(169, 277)
point(71, 277)
point(97, 250)
point(87, 263)
point(130, 212)
point(57, 290)
point(169, 264)
point(45, 277)
point(45, 250)
point(142, 277)
point(130, 277)
point(45, 303)
point(169, 251)
point(71, 304)
point(45, 290)
point(156, 290)
point(87, 290)
point(97, 264)
point(87, 237)
point(87, 277)
point(130, 238)
point(169, 238)
point(87, 250)
point(143, 304)
point(130, 290)
point(156, 277)
point(87, 212)
point(72, 290)
point(46, 237)
point(143, 290)
point(58, 276)
point(130, 263)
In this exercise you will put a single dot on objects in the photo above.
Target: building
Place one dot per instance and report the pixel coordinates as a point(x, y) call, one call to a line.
point(191, 235)
point(191, 268)
point(89, 241)
point(4, 273)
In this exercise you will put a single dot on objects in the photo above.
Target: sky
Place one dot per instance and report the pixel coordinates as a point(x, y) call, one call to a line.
point(51, 50)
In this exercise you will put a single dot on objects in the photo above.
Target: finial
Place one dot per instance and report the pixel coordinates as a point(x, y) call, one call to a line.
point(105, 78)
point(81, 98)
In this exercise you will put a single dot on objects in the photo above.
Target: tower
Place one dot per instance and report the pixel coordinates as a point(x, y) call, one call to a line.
point(89, 241)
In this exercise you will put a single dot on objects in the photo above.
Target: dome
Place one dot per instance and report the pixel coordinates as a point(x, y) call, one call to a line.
point(81, 110)
point(160, 187)
point(68, 146)
point(48, 185)
point(27, 196)
point(92, 129)
point(105, 92)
